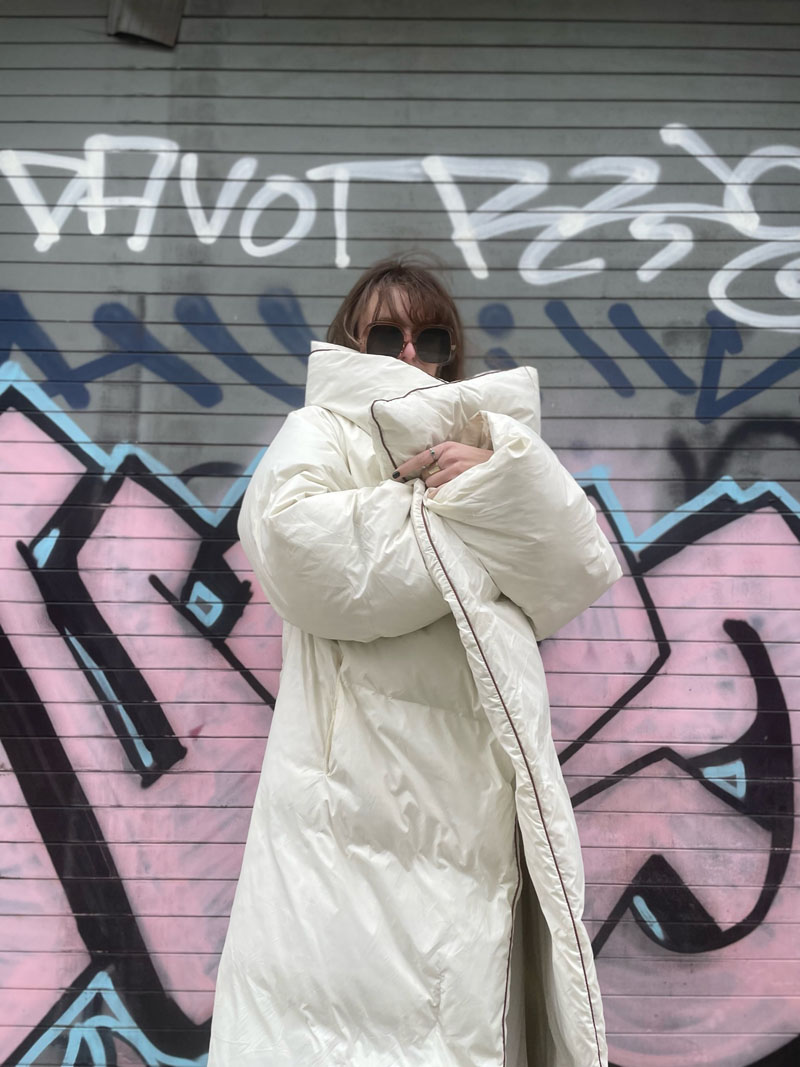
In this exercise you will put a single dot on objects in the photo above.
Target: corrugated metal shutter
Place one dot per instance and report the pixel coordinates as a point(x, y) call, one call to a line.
point(614, 187)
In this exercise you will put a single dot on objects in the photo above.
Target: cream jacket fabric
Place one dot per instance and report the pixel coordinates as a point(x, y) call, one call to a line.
point(410, 774)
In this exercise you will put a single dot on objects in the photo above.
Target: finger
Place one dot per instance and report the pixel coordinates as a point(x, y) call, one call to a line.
point(412, 468)
point(446, 474)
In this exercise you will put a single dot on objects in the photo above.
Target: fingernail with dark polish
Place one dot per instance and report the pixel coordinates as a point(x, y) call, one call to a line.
point(395, 474)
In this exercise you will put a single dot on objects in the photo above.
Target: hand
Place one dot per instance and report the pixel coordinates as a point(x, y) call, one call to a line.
point(452, 459)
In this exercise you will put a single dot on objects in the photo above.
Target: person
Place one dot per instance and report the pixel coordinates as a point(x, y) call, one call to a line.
point(412, 888)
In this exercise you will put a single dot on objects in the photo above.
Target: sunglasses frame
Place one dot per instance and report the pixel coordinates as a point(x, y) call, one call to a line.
point(413, 335)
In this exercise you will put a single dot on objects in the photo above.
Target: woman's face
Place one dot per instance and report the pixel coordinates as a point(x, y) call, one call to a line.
point(377, 307)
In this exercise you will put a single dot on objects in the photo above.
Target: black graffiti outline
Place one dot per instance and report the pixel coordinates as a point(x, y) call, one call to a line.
point(771, 730)
point(771, 724)
point(150, 992)
point(85, 867)
point(743, 434)
point(62, 814)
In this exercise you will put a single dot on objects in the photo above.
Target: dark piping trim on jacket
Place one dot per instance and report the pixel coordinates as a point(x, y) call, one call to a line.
point(527, 767)
point(515, 903)
point(419, 389)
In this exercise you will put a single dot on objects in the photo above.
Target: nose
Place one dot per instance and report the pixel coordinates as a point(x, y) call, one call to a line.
point(408, 352)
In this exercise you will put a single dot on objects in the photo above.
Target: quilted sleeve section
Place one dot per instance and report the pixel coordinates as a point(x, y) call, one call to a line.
point(336, 560)
point(531, 525)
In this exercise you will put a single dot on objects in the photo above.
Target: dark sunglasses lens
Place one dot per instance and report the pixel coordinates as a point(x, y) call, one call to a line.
point(433, 345)
point(385, 340)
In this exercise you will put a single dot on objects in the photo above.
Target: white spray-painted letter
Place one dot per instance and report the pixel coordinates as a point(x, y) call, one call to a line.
point(276, 186)
point(209, 229)
point(14, 166)
point(97, 203)
point(381, 170)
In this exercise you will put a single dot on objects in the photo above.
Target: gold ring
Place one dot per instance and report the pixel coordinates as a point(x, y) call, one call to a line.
point(433, 469)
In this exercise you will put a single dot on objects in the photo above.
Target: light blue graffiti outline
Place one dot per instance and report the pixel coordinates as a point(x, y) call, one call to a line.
point(599, 478)
point(42, 551)
point(86, 1032)
point(100, 676)
point(728, 776)
point(202, 594)
point(13, 376)
point(645, 912)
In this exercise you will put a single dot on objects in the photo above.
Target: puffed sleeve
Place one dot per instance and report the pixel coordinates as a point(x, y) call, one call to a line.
point(531, 525)
point(336, 560)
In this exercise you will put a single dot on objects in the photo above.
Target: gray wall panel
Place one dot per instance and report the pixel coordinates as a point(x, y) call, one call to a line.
point(651, 278)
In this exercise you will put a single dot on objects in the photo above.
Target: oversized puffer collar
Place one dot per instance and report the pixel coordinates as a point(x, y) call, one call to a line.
point(404, 409)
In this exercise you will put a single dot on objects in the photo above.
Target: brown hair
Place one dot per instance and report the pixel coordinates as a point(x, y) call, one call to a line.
point(428, 302)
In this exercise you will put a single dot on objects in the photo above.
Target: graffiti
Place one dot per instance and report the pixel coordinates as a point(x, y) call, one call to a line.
point(723, 340)
point(139, 667)
point(665, 223)
point(671, 703)
point(284, 317)
point(135, 344)
point(176, 232)
point(279, 309)
point(138, 676)
point(752, 434)
point(88, 1040)
point(86, 191)
point(497, 321)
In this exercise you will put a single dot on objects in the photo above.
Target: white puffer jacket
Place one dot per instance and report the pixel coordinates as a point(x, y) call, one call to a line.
point(411, 784)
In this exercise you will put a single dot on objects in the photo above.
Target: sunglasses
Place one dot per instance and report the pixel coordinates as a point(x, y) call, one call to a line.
point(433, 344)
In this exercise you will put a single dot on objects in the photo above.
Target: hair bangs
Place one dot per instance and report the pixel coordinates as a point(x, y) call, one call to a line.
point(401, 286)
point(410, 295)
